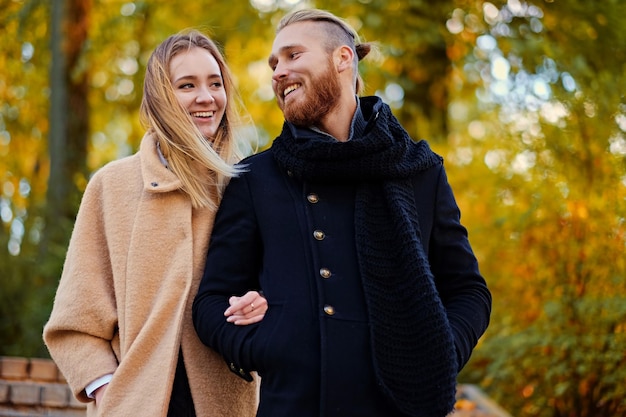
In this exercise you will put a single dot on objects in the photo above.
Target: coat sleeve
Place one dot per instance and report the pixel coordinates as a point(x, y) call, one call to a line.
point(462, 288)
point(232, 268)
point(81, 331)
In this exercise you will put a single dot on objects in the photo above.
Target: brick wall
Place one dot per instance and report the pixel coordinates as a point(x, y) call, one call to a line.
point(33, 388)
point(36, 388)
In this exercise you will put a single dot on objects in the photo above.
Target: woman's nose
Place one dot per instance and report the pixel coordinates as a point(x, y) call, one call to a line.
point(204, 96)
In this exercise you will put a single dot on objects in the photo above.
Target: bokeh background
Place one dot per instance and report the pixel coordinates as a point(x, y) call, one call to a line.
point(525, 100)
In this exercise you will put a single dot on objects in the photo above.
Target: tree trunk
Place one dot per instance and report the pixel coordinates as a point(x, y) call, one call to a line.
point(69, 119)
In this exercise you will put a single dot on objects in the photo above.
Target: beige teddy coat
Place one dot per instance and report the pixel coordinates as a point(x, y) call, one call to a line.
point(123, 305)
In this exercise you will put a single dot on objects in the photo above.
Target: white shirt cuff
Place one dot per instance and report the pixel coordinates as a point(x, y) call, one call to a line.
point(103, 380)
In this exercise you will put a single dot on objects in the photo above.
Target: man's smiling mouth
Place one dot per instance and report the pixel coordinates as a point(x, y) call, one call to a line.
point(290, 89)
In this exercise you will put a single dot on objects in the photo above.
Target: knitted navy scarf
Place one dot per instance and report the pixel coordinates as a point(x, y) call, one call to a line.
point(414, 355)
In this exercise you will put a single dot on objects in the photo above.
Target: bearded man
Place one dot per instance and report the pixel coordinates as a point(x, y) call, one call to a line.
point(352, 232)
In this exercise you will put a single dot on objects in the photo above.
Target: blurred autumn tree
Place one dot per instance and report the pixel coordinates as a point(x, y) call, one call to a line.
point(24, 167)
point(546, 147)
point(525, 100)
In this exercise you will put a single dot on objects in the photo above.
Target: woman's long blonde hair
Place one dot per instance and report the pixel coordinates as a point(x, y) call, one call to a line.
point(181, 142)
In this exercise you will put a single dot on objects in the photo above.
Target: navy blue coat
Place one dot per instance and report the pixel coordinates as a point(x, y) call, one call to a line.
point(295, 241)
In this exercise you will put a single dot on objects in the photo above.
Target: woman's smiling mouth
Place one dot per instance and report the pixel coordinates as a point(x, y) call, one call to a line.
point(203, 114)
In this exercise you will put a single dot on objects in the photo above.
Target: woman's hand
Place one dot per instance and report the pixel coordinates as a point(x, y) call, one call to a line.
point(247, 309)
point(99, 393)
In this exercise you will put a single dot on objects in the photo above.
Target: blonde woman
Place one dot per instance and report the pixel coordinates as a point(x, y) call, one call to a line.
point(121, 329)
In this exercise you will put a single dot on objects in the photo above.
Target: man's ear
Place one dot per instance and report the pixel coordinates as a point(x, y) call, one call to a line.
point(344, 58)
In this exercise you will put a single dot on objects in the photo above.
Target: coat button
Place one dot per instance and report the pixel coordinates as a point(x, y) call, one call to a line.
point(325, 273)
point(319, 235)
point(329, 310)
point(313, 198)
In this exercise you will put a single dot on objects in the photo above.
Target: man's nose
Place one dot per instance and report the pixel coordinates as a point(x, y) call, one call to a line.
point(280, 71)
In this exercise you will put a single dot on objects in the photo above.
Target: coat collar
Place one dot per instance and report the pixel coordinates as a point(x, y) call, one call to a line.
point(156, 177)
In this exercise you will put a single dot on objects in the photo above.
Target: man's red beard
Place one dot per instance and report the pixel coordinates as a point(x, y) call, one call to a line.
point(322, 96)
